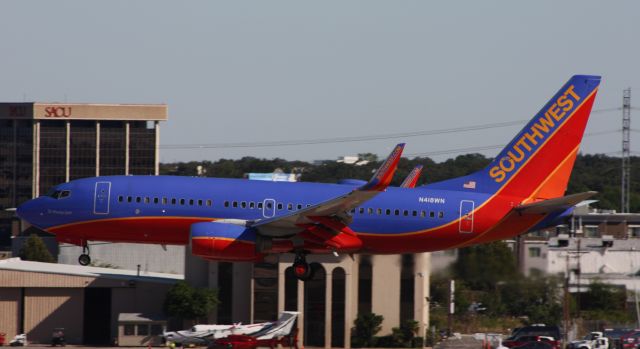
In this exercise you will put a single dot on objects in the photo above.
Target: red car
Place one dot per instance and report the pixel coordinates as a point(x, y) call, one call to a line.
point(630, 340)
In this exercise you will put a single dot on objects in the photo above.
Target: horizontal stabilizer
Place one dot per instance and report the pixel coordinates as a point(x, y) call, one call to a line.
point(553, 205)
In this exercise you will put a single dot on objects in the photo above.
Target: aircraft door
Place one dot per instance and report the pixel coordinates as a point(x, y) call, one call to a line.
point(268, 208)
point(101, 198)
point(466, 216)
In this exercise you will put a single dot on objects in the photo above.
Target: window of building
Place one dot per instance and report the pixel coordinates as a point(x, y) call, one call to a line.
point(590, 231)
point(129, 330)
point(534, 252)
point(143, 330)
point(634, 231)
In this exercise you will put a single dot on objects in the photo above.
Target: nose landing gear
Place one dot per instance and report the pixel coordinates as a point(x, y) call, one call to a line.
point(84, 258)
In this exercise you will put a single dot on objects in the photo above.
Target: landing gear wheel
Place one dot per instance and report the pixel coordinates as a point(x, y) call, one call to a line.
point(84, 259)
point(302, 270)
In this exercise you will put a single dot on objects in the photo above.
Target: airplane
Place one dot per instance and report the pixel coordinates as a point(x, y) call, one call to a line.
point(412, 178)
point(203, 334)
point(239, 220)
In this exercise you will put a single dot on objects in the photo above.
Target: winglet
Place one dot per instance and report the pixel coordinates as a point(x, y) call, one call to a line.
point(412, 178)
point(382, 178)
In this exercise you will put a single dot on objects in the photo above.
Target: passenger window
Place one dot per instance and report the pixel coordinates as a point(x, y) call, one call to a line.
point(138, 199)
point(243, 204)
point(396, 212)
point(414, 213)
point(378, 211)
point(147, 200)
point(226, 204)
point(234, 204)
point(432, 214)
point(120, 198)
point(191, 202)
point(174, 201)
point(209, 203)
point(252, 204)
point(299, 206)
point(308, 205)
point(423, 214)
point(260, 206)
point(387, 212)
point(200, 202)
point(279, 206)
point(156, 200)
point(440, 214)
point(289, 206)
point(370, 210)
point(361, 210)
point(182, 201)
point(269, 205)
point(164, 201)
point(129, 199)
point(405, 213)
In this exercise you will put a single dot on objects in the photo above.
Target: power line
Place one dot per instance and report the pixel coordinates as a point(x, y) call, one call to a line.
point(350, 139)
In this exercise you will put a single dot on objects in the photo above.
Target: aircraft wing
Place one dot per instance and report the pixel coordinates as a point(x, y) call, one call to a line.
point(338, 207)
point(551, 205)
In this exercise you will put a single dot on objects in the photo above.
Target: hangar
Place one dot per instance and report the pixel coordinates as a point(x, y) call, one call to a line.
point(37, 297)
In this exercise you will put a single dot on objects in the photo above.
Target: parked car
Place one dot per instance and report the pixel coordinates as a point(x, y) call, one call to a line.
point(535, 345)
point(630, 340)
point(614, 335)
point(594, 340)
point(535, 333)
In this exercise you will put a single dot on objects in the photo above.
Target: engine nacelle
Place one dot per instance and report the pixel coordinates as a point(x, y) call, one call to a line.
point(224, 242)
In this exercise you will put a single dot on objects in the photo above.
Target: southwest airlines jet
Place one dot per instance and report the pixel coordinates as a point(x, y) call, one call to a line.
point(240, 220)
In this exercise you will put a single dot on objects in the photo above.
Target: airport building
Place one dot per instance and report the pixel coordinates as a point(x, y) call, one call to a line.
point(44, 144)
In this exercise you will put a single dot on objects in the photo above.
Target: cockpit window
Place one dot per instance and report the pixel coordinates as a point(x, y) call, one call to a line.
point(59, 194)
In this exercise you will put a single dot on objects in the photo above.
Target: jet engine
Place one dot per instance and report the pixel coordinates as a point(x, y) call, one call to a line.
point(224, 242)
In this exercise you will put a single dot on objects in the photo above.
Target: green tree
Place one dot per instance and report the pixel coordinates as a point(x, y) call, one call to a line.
point(186, 302)
point(482, 266)
point(35, 250)
point(366, 326)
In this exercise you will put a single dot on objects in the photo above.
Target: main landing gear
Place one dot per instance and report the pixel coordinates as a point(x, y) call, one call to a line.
point(302, 270)
point(84, 258)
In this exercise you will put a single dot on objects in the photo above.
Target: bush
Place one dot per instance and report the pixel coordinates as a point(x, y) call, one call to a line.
point(365, 328)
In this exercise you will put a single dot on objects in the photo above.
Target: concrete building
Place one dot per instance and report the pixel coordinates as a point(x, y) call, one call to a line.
point(394, 286)
point(37, 297)
point(44, 144)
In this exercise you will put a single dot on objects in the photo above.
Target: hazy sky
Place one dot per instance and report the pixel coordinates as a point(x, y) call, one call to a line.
point(263, 71)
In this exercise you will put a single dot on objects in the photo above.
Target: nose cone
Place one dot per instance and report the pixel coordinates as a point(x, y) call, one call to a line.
point(30, 211)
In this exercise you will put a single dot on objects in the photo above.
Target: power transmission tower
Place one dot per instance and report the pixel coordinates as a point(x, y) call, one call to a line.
point(626, 150)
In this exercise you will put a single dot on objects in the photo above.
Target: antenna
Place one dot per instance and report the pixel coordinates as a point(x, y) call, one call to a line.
point(626, 151)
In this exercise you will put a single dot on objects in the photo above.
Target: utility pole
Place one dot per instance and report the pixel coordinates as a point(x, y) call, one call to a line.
point(565, 303)
point(626, 151)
